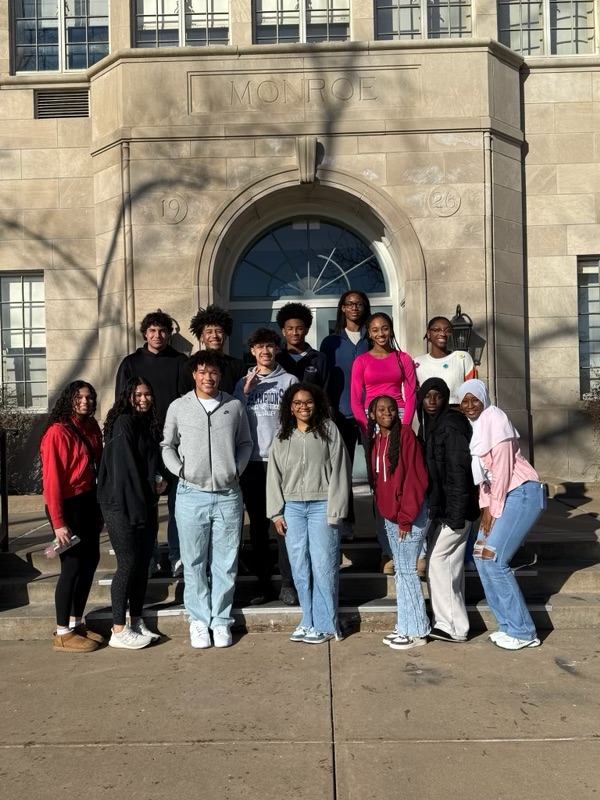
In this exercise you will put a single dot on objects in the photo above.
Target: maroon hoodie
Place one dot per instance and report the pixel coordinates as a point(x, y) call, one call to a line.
point(399, 496)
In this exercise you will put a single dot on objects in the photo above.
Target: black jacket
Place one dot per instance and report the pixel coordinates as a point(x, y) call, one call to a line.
point(233, 370)
point(126, 478)
point(166, 371)
point(314, 360)
point(453, 497)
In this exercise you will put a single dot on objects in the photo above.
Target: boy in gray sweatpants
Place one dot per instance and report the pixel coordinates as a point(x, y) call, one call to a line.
point(260, 391)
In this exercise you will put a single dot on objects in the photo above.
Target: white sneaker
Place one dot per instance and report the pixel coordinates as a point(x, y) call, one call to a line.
point(507, 642)
point(495, 635)
point(139, 626)
point(128, 639)
point(222, 637)
point(178, 569)
point(390, 637)
point(199, 635)
point(407, 642)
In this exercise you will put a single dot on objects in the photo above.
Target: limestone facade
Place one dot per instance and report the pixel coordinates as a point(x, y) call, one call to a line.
point(474, 174)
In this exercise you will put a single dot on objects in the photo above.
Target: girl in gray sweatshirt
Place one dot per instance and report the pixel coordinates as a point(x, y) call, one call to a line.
point(308, 490)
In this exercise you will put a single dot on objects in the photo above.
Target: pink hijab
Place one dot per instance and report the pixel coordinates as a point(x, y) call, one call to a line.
point(492, 427)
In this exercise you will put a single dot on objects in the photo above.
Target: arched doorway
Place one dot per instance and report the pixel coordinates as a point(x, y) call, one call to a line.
point(309, 259)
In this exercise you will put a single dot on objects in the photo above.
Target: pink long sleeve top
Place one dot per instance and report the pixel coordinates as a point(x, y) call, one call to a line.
point(506, 469)
point(393, 375)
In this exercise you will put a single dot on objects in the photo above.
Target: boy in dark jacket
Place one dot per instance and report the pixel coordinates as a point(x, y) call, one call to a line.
point(212, 326)
point(453, 505)
point(299, 358)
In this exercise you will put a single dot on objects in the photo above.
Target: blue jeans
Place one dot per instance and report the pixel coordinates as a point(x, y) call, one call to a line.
point(209, 525)
point(522, 508)
point(172, 533)
point(412, 619)
point(313, 548)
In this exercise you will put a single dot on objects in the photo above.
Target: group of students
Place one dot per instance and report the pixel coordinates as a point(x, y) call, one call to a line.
point(281, 439)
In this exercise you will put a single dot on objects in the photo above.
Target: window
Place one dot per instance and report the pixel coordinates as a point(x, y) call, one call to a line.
point(176, 23)
point(59, 35)
point(540, 27)
point(422, 19)
point(289, 21)
point(23, 339)
point(588, 303)
point(306, 259)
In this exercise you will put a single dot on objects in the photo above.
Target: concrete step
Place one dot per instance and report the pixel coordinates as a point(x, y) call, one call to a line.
point(38, 621)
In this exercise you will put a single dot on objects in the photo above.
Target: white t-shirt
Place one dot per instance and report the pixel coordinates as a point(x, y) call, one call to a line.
point(211, 404)
point(454, 369)
point(354, 336)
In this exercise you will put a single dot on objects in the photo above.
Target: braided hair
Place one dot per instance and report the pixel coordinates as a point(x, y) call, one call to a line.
point(124, 406)
point(394, 448)
point(63, 408)
point(321, 413)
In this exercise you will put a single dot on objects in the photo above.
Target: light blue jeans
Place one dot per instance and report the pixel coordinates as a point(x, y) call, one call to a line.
point(209, 525)
point(412, 619)
point(313, 548)
point(522, 508)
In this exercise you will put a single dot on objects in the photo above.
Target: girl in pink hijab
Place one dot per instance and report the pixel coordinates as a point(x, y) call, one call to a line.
point(511, 498)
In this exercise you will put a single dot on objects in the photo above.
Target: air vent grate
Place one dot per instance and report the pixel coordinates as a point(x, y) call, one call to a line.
point(60, 103)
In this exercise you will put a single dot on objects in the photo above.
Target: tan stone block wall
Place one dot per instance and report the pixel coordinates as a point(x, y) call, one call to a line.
point(562, 119)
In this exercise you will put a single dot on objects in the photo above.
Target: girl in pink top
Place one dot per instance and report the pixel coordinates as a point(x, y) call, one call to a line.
point(384, 369)
point(512, 499)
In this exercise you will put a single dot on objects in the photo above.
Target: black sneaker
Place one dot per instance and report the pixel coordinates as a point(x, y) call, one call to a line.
point(289, 596)
point(437, 633)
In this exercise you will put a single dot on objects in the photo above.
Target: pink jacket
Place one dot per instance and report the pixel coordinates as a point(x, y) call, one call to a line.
point(393, 375)
point(508, 469)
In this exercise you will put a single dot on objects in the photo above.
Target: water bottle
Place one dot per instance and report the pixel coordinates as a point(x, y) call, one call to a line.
point(54, 548)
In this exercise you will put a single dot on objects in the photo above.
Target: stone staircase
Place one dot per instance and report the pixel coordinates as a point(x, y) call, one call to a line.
point(558, 570)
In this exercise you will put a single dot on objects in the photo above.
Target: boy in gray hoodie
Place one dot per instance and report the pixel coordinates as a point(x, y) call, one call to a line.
point(260, 391)
point(207, 444)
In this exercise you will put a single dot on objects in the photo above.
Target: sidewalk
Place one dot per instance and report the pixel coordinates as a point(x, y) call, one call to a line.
point(268, 719)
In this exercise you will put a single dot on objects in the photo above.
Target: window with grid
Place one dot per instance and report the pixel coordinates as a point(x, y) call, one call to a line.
point(422, 19)
point(23, 339)
point(547, 27)
point(58, 35)
point(180, 23)
point(588, 299)
point(310, 21)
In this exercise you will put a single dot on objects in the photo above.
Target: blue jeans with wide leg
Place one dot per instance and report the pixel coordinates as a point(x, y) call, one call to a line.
point(313, 548)
point(412, 618)
point(521, 510)
point(209, 525)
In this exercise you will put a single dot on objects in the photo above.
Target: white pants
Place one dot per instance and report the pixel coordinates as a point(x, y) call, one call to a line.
point(446, 578)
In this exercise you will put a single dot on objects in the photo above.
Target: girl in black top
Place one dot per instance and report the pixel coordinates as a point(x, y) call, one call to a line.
point(453, 505)
point(129, 483)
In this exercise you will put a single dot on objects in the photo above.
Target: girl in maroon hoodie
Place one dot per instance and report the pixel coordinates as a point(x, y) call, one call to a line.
point(398, 477)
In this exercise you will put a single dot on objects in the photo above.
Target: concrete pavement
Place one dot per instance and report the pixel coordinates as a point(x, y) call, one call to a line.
point(270, 719)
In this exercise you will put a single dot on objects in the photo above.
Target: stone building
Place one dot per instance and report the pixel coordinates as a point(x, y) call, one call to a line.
point(432, 152)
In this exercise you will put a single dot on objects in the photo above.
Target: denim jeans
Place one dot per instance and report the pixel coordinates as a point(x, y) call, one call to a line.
point(209, 525)
point(412, 619)
point(313, 548)
point(522, 508)
point(172, 533)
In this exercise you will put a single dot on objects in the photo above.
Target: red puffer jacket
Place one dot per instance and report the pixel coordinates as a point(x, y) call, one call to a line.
point(66, 468)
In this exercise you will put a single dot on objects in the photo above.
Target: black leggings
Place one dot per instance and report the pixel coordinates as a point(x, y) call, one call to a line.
point(133, 546)
point(78, 564)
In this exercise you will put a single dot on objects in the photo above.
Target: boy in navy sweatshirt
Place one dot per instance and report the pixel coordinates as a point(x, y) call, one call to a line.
point(298, 357)
point(260, 391)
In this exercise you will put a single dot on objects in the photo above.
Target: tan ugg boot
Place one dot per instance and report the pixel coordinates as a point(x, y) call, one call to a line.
point(74, 643)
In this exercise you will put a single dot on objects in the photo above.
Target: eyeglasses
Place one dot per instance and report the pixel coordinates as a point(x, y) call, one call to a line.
point(354, 305)
point(303, 403)
point(441, 330)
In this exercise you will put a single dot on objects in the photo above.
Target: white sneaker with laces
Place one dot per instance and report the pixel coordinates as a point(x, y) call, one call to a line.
point(199, 635)
point(390, 637)
point(128, 639)
point(139, 626)
point(222, 636)
point(495, 635)
point(507, 642)
point(402, 642)
point(178, 569)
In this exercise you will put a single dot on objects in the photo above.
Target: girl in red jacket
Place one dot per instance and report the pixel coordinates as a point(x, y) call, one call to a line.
point(398, 477)
point(70, 450)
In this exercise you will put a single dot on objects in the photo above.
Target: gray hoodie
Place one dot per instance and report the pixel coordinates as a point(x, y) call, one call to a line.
point(304, 468)
point(208, 451)
point(262, 407)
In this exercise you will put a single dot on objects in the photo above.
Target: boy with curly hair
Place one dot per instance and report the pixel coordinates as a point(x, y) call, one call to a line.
point(212, 326)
